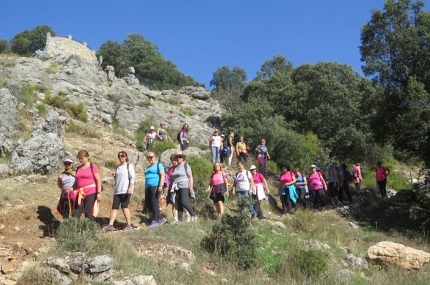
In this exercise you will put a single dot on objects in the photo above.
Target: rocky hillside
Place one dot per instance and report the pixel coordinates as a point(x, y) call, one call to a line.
point(33, 139)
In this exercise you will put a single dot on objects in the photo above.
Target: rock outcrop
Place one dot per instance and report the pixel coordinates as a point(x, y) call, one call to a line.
point(405, 257)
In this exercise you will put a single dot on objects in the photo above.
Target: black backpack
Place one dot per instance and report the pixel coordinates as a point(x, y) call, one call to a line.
point(178, 136)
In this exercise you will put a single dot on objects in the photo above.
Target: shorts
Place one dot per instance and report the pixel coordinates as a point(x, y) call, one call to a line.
point(120, 199)
point(218, 197)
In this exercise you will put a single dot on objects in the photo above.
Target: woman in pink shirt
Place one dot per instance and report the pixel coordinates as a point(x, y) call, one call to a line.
point(219, 187)
point(356, 176)
point(381, 178)
point(317, 186)
point(286, 179)
point(88, 186)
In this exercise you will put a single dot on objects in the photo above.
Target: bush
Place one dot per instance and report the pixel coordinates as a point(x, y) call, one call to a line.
point(232, 240)
point(304, 264)
point(60, 101)
point(188, 111)
point(82, 130)
point(42, 109)
point(27, 95)
point(77, 111)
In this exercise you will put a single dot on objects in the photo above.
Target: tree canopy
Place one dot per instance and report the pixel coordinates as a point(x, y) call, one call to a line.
point(26, 42)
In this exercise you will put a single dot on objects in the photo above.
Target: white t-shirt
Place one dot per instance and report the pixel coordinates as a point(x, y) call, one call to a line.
point(216, 141)
point(242, 182)
point(122, 178)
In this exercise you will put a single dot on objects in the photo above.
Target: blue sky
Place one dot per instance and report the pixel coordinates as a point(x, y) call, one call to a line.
point(199, 36)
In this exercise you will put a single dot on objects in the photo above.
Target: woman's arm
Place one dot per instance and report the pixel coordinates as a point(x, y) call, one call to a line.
point(98, 185)
point(226, 185)
point(158, 134)
point(161, 183)
point(190, 180)
point(265, 185)
point(233, 189)
point(59, 184)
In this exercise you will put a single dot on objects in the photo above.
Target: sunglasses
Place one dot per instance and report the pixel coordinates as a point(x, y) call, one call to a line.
point(121, 155)
point(149, 157)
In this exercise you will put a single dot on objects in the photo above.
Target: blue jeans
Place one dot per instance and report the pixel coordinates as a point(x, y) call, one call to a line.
point(250, 206)
point(215, 154)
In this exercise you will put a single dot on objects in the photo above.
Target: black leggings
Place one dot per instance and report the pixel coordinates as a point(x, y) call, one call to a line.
point(88, 205)
point(287, 204)
point(242, 156)
point(152, 202)
point(301, 192)
point(318, 197)
point(257, 207)
point(383, 187)
point(182, 202)
point(346, 189)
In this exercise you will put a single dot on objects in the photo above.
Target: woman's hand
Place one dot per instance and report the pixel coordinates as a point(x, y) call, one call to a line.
point(99, 197)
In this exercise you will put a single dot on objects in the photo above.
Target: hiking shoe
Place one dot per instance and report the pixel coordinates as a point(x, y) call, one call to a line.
point(162, 221)
point(154, 224)
point(108, 227)
point(193, 218)
point(128, 228)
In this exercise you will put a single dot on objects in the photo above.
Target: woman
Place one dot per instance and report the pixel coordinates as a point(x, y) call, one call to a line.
point(262, 155)
point(171, 196)
point(230, 147)
point(124, 176)
point(223, 153)
point(88, 186)
point(162, 134)
point(242, 185)
point(182, 184)
point(381, 179)
point(260, 186)
point(334, 183)
point(150, 137)
point(154, 180)
point(357, 178)
point(347, 178)
point(287, 180)
point(317, 186)
point(218, 186)
point(215, 145)
point(241, 150)
point(183, 137)
point(301, 187)
point(65, 182)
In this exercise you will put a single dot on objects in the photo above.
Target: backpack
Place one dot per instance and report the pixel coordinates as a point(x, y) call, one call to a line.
point(178, 136)
point(347, 175)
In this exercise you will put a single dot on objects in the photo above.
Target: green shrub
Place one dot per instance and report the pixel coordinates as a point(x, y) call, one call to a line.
point(201, 168)
point(203, 146)
point(57, 101)
point(78, 235)
point(82, 130)
point(77, 111)
point(27, 95)
point(232, 240)
point(172, 101)
point(2, 81)
point(306, 264)
point(42, 109)
point(53, 68)
point(144, 103)
point(188, 111)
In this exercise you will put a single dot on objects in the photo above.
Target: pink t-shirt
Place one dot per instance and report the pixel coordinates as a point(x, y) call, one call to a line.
point(286, 177)
point(315, 182)
point(85, 177)
point(218, 178)
point(381, 173)
point(357, 172)
point(258, 178)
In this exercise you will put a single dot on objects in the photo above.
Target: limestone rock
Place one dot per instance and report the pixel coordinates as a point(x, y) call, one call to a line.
point(144, 280)
point(405, 257)
point(53, 275)
point(356, 262)
point(100, 264)
point(9, 267)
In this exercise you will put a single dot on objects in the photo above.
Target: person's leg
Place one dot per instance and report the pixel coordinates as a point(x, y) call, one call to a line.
point(263, 164)
point(148, 200)
point(217, 209)
point(214, 154)
point(185, 204)
point(339, 193)
point(382, 187)
point(89, 206)
point(257, 207)
point(77, 213)
point(230, 151)
point(357, 187)
point(284, 204)
point(315, 198)
point(217, 155)
point(114, 210)
point(250, 206)
point(346, 189)
point(155, 203)
point(179, 206)
point(289, 205)
point(221, 207)
point(302, 198)
point(321, 198)
point(125, 210)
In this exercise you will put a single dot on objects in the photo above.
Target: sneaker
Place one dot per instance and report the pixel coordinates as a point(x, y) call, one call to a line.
point(162, 221)
point(128, 228)
point(154, 224)
point(193, 218)
point(108, 228)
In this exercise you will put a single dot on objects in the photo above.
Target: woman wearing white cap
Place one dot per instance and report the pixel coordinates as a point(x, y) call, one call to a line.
point(260, 184)
point(65, 182)
point(149, 138)
point(215, 145)
point(317, 186)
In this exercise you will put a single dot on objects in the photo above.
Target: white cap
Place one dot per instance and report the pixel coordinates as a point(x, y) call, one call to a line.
point(313, 166)
point(252, 167)
point(68, 160)
point(152, 128)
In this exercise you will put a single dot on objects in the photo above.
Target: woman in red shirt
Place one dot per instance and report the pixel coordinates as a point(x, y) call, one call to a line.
point(286, 179)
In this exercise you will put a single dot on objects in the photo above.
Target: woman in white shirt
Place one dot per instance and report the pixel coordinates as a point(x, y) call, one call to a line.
point(215, 144)
point(243, 183)
point(124, 186)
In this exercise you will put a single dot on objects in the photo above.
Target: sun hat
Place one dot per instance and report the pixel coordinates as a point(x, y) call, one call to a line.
point(216, 131)
point(313, 166)
point(222, 135)
point(68, 160)
point(252, 167)
point(180, 153)
point(152, 128)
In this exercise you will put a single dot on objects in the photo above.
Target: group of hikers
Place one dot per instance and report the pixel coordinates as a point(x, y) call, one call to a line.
point(81, 189)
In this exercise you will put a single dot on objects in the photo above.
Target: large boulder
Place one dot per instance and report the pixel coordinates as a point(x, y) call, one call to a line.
point(44, 151)
point(405, 257)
